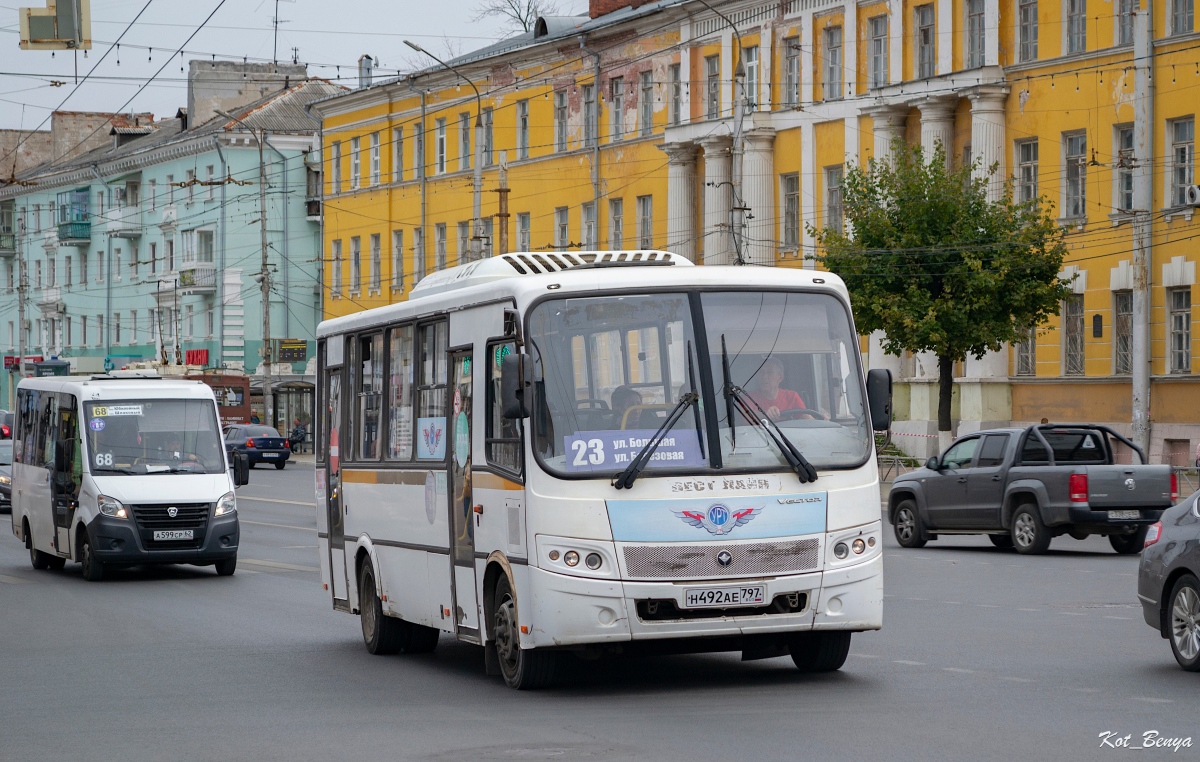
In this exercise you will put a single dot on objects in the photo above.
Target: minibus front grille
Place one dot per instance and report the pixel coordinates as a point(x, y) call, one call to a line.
point(701, 561)
point(192, 516)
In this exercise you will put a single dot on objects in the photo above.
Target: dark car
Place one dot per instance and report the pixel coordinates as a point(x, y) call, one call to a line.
point(6, 424)
point(6, 450)
point(262, 444)
point(1168, 584)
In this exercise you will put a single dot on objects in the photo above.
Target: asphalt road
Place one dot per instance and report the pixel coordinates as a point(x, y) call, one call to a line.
point(983, 655)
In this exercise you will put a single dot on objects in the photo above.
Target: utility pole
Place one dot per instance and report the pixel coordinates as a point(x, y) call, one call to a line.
point(20, 301)
point(503, 213)
point(1143, 145)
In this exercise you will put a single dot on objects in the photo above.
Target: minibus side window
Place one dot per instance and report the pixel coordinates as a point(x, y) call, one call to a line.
point(502, 435)
point(400, 393)
point(431, 393)
point(368, 378)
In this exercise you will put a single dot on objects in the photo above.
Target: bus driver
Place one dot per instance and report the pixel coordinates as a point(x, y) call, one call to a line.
point(767, 393)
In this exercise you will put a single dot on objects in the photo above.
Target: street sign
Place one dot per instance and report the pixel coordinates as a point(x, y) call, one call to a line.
point(51, 368)
point(10, 361)
point(291, 350)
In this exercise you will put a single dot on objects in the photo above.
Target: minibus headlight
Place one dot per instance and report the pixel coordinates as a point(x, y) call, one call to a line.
point(226, 505)
point(5, 480)
point(571, 558)
point(840, 550)
point(110, 506)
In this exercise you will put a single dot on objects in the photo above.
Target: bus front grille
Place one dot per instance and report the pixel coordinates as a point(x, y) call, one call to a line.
point(192, 516)
point(701, 561)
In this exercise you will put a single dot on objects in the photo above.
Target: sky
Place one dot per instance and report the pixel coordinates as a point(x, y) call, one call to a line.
point(239, 28)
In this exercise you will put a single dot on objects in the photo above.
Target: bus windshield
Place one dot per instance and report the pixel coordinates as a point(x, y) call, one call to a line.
point(609, 370)
point(153, 436)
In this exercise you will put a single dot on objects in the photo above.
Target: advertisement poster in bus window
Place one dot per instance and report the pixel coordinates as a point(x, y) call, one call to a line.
point(431, 438)
point(588, 451)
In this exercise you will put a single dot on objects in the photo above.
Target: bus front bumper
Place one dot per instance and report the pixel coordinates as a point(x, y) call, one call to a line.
point(569, 611)
point(119, 541)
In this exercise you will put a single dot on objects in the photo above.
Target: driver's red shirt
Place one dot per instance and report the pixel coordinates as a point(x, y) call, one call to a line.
point(785, 399)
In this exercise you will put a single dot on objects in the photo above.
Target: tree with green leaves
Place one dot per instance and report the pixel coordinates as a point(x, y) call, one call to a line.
point(936, 266)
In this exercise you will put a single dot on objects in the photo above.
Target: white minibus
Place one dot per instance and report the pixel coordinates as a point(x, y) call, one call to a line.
point(121, 470)
point(593, 452)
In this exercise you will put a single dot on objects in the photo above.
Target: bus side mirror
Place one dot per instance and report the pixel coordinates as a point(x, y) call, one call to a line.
point(879, 398)
point(241, 469)
point(516, 379)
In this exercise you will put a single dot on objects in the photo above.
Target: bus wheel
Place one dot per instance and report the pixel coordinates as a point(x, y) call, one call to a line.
point(93, 569)
point(226, 567)
point(382, 634)
point(421, 639)
point(37, 558)
point(820, 651)
point(57, 563)
point(523, 668)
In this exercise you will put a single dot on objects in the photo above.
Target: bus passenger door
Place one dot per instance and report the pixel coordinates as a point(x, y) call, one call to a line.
point(64, 480)
point(462, 513)
point(333, 480)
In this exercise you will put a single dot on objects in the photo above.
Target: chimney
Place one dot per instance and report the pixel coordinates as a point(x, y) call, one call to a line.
point(602, 7)
point(366, 66)
point(227, 85)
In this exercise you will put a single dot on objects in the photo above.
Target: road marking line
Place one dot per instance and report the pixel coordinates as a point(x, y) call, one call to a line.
point(1084, 690)
point(960, 670)
point(1127, 618)
point(14, 580)
point(276, 500)
point(909, 663)
point(1072, 613)
point(281, 526)
point(866, 656)
point(918, 599)
point(1153, 700)
point(1017, 679)
point(278, 565)
point(987, 605)
point(953, 603)
point(1028, 609)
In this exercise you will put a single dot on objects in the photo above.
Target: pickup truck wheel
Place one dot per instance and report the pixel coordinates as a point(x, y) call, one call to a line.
point(909, 531)
point(1129, 544)
point(1003, 541)
point(1029, 534)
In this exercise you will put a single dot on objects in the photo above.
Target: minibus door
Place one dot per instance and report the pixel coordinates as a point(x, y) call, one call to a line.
point(333, 481)
point(462, 511)
point(63, 481)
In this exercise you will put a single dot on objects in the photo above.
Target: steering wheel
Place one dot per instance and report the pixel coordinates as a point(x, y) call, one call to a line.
point(794, 413)
point(591, 404)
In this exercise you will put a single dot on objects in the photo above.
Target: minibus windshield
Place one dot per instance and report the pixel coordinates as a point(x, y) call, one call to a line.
point(153, 436)
point(608, 370)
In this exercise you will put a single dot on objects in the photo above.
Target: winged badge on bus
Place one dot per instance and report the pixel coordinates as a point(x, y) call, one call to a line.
point(719, 519)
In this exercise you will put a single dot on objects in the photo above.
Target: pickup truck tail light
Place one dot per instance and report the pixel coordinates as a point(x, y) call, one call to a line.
point(1153, 533)
point(1174, 486)
point(1079, 488)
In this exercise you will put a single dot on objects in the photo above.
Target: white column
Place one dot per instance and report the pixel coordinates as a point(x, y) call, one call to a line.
point(991, 38)
point(681, 198)
point(890, 122)
point(877, 358)
point(808, 191)
point(937, 124)
point(895, 41)
point(987, 134)
point(718, 199)
point(758, 191)
point(945, 37)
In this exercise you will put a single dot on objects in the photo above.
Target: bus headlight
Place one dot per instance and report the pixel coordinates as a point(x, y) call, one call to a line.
point(110, 506)
point(226, 505)
point(5, 480)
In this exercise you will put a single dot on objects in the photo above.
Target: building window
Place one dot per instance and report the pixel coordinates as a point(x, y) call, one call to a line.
point(375, 161)
point(1183, 158)
point(67, 270)
point(1180, 302)
point(616, 108)
point(209, 184)
point(587, 215)
point(1181, 16)
point(116, 328)
point(1027, 354)
point(523, 231)
point(589, 116)
point(676, 94)
point(833, 198)
point(486, 243)
point(1076, 26)
point(712, 86)
point(750, 59)
point(833, 63)
point(488, 143)
point(975, 34)
point(153, 258)
point(1027, 170)
point(440, 147)
point(791, 211)
point(464, 141)
point(560, 121)
point(1122, 332)
point(1072, 320)
point(878, 29)
point(355, 265)
point(1027, 27)
point(1125, 21)
point(616, 223)
point(376, 264)
point(355, 163)
point(189, 175)
point(645, 103)
point(1124, 168)
point(171, 178)
point(335, 168)
point(561, 234)
point(152, 187)
point(791, 71)
point(397, 260)
point(522, 129)
point(398, 155)
point(439, 246)
point(645, 222)
point(418, 254)
point(926, 41)
point(1076, 161)
point(464, 242)
point(419, 150)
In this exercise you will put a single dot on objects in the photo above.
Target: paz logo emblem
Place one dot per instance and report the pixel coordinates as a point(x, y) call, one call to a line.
point(172, 511)
point(724, 558)
point(1130, 484)
point(719, 519)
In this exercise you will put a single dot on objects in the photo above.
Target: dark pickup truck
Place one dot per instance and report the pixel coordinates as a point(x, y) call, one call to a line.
point(1023, 487)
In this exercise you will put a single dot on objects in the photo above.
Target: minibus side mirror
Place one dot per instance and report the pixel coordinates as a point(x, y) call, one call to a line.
point(516, 379)
point(240, 465)
point(879, 398)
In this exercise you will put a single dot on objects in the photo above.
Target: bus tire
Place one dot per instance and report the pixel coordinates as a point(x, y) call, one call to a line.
point(92, 568)
point(820, 651)
point(57, 563)
point(421, 639)
point(37, 558)
point(382, 634)
point(226, 567)
point(523, 668)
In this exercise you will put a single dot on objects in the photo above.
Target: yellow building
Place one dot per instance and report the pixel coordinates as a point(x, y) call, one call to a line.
point(618, 131)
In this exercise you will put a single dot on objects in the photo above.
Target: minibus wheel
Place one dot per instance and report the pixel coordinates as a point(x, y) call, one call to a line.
point(523, 668)
point(37, 558)
point(226, 566)
point(820, 651)
point(382, 634)
point(93, 569)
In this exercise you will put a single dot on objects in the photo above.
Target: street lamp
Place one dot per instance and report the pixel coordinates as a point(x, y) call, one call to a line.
point(265, 274)
point(477, 190)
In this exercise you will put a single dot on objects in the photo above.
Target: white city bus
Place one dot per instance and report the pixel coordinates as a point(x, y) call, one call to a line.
point(611, 451)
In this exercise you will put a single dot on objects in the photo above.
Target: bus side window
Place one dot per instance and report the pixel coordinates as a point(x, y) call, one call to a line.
point(502, 436)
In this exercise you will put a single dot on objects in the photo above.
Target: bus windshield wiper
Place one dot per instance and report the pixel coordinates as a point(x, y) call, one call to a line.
point(626, 478)
point(736, 397)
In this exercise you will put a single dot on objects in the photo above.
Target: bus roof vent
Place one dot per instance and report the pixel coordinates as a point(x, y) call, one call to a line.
point(538, 263)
